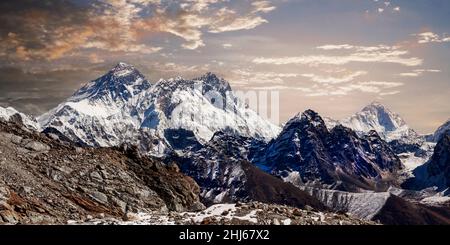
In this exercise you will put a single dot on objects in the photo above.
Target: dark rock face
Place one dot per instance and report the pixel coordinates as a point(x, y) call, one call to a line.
point(45, 181)
point(182, 139)
point(400, 147)
point(439, 164)
point(337, 159)
point(397, 211)
point(386, 159)
point(17, 119)
point(224, 175)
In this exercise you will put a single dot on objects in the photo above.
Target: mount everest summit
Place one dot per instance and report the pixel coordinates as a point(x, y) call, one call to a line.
point(122, 106)
point(235, 155)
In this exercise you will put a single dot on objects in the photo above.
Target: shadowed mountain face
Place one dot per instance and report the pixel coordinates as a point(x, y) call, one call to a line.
point(435, 172)
point(397, 211)
point(305, 152)
point(221, 169)
point(439, 165)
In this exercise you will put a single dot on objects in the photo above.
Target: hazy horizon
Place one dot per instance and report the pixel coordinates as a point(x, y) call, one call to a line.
point(334, 57)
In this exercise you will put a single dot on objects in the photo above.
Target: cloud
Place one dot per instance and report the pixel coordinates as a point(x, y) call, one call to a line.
point(418, 72)
point(374, 87)
point(366, 55)
point(382, 84)
point(281, 87)
point(334, 46)
point(430, 37)
point(247, 77)
point(334, 80)
point(262, 6)
point(389, 93)
point(95, 59)
point(54, 29)
point(358, 48)
point(241, 23)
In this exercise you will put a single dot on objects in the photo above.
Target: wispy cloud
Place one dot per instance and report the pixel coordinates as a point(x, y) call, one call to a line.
point(227, 45)
point(418, 72)
point(248, 77)
point(334, 80)
point(369, 54)
point(374, 87)
point(431, 37)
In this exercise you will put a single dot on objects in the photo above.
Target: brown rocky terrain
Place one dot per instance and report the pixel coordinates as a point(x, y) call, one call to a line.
point(252, 213)
point(43, 180)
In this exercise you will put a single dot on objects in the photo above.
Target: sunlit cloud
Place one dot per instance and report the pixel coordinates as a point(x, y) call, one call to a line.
point(54, 30)
point(375, 54)
point(248, 77)
point(418, 72)
point(373, 87)
point(334, 80)
point(430, 37)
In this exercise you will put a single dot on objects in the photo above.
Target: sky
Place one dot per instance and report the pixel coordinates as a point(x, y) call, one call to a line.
point(331, 56)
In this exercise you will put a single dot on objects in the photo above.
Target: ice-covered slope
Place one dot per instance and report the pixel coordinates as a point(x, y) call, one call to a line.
point(440, 131)
point(11, 114)
point(122, 106)
point(362, 205)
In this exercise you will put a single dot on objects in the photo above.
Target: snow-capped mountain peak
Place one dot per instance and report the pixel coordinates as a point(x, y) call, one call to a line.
point(120, 83)
point(384, 117)
point(11, 114)
point(122, 106)
point(440, 131)
point(375, 116)
point(211, 82)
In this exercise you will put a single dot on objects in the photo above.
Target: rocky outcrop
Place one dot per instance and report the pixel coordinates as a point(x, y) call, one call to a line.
point(307, 153)
point(225, 176)
point(45, 181)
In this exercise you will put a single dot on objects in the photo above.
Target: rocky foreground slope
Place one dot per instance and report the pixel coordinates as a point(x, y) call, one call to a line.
point(253, 213)
point(45, 181)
